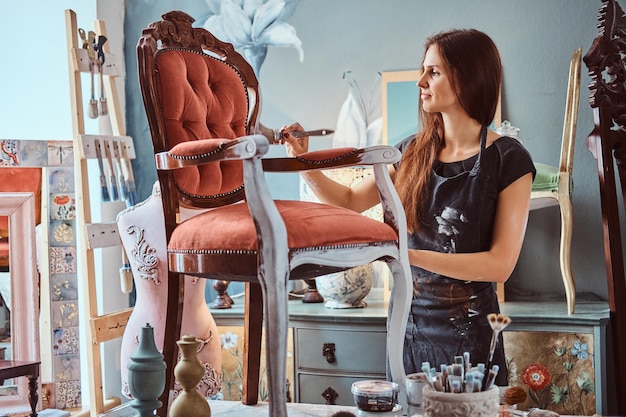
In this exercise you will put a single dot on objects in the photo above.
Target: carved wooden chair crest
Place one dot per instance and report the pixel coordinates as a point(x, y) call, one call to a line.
point(202, 102)
point(607, 69)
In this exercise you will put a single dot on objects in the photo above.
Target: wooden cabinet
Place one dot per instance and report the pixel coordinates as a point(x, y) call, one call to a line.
point(329, 357)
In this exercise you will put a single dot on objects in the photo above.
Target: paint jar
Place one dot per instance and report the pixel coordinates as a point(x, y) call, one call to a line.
point(375, 395)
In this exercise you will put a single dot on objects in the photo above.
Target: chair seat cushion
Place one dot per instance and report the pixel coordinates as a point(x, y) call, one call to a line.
point(547, 178)
point(229, 231)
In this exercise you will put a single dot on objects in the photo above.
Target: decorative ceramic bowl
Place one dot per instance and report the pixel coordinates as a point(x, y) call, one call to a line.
point(448, 404)
point(346, 289)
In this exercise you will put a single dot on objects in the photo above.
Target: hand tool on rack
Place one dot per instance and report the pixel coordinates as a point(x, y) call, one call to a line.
point(91, 52)
point(130, 177)
point(120, 170)
point(103, 180)
point(104, 110)
point(112, 179)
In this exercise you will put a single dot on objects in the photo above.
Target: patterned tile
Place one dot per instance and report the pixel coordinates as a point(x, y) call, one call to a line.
point(68, 394)
point(62, 206)
point(62, 233)
point(60, 153)
point(65, 341)
point(34, 153)
point(64, 287)
point(61, 180)
point(62, 260)
point(9, 152)
point(64, 314)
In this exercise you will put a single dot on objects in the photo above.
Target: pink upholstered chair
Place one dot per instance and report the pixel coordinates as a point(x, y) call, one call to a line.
point(202, 101)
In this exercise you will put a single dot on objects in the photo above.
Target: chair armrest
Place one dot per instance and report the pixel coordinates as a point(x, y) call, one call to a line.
point(333, 158)
point(204, 151)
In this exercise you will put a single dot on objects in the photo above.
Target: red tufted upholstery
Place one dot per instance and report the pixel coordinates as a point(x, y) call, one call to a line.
point(309, 225)
point(201, 97)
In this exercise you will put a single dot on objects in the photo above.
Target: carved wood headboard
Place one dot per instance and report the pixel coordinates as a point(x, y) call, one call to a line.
point(606, 61)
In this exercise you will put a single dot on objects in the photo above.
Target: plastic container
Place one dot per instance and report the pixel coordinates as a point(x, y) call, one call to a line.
point(507, 129)
point(375, 395)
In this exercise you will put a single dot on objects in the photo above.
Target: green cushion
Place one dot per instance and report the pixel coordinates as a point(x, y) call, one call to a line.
point(547, 178)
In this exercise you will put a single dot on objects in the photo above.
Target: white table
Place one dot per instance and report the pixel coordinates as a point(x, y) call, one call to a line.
point(236, 409)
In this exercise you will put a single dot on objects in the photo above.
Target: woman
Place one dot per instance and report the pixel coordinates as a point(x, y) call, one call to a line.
point(466, 194)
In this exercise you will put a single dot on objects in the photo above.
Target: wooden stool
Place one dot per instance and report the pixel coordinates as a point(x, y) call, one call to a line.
point(14, 369)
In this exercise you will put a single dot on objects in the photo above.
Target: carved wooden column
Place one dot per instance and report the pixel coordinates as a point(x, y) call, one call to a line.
point(606, 142)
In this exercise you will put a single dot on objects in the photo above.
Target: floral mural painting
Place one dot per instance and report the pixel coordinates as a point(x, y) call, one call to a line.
point(556, 369)
point(252, 26)
point(232, 365)
point(537, 378)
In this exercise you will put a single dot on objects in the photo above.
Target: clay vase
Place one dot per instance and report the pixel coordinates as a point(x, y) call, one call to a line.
point(188, 373)
point(448, 404)
point(146, 374)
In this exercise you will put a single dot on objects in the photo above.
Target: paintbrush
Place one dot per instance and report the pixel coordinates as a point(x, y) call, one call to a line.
point(130, 178)
point(279, 136)
point(103, 180)
point(497, 322)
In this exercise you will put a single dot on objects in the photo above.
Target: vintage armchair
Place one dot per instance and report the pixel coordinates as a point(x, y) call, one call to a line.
point(202, 102)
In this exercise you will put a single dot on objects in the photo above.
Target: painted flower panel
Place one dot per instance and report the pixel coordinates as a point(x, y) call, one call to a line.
point(536, 376)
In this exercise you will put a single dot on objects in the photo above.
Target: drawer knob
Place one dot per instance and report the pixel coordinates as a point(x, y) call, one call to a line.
point(328, 351)
point(330, 395)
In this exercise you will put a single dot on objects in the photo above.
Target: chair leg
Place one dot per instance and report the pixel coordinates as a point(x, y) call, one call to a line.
point(565, 254)
point(396, 324)
point(276, 328)
point(253, 329)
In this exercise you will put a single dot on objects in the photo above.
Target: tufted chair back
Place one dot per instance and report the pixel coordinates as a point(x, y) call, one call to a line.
point(194, 90)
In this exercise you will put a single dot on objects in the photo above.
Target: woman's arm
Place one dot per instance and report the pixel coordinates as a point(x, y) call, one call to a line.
point(358, 198)
point(496, 264)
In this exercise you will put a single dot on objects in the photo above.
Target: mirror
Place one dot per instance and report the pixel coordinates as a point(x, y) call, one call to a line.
point(20, 209)
point(400, 100)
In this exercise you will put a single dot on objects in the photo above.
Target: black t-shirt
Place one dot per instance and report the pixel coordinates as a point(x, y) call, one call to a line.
point(503, 162)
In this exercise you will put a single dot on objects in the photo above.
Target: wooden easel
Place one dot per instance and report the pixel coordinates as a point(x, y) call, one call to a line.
point(93, 236)
point(607, 143)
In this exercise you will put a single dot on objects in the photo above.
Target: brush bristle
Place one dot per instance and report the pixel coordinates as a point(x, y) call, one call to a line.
point(498, 321)
point(512, 395)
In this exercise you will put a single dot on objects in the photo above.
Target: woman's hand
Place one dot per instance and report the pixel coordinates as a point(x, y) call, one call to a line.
point(294, 146)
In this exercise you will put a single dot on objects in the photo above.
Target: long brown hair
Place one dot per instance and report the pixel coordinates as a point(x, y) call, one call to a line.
point(476, 75)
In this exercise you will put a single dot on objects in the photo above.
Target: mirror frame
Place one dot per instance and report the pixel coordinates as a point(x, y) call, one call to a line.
point(20, 208)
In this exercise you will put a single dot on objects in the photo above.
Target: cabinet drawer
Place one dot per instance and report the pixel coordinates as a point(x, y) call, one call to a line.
point(354, 351)
point(312, 387)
